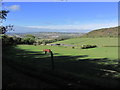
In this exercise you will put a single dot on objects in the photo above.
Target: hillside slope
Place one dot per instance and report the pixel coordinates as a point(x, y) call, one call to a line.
point(101, 41)
point(104, 32)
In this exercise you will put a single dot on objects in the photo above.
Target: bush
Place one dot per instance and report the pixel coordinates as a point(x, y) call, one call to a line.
point(28, 41)
point(88, 46)
point(10, 40)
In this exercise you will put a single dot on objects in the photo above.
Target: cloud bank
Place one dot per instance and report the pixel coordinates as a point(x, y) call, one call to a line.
point(62, 28)
point(77, 27)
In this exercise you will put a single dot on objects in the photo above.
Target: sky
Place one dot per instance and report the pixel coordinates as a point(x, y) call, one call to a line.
point(79, 16)
point(61, 0)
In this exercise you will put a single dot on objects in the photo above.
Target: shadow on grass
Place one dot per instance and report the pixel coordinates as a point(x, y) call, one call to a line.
point(70, 71)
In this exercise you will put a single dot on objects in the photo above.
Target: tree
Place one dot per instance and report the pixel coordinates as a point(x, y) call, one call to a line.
point(17, 40)
point(6, 40)
point(3, 16)
point(28, 39)
point(30, 36)
point(5, 29)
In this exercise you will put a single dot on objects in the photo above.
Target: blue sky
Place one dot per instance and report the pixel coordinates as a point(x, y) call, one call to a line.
point(61, 0)
point(63, 15)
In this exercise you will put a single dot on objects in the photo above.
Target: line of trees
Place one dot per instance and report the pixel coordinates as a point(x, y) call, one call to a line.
point(27, 39)
point(13, 40)
point(50, 41)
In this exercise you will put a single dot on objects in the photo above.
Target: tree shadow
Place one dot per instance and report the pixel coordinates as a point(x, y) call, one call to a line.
point(36, 61)
point(72, 64)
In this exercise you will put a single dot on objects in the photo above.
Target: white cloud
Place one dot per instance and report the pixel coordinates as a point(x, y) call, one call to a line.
point(77, 27)
point(14, 7)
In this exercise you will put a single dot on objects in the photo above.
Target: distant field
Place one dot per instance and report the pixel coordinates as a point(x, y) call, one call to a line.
point(105, 41)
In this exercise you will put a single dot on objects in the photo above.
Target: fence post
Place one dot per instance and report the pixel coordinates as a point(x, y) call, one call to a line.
point(52, 61)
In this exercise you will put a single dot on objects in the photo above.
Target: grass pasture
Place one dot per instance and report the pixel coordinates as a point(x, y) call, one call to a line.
point(104, 41)
point(82, 68)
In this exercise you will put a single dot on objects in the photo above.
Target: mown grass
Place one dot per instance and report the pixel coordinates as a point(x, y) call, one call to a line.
point(99, 52)
point(77, 67)
point(104, 41)
point(68, 69)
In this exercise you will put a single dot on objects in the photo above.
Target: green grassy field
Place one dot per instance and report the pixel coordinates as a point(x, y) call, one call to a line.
point(93, 67)
point(99, 52)
point(97, 41)
point(107, 47)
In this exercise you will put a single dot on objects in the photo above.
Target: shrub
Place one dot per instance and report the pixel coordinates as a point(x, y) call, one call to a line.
point(88, 46)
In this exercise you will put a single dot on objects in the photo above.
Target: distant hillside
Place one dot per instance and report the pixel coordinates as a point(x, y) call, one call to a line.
point(104, 32)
